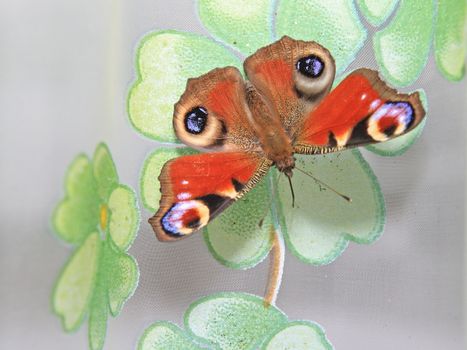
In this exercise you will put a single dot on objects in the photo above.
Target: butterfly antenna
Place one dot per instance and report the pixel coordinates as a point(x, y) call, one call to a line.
point(347, 198)
point(291, 189)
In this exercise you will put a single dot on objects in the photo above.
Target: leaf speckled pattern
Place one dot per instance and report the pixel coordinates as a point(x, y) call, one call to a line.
point(234, 321)
point(100, 218)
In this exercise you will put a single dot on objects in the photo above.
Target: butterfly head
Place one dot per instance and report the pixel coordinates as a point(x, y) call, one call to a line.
point(286, 165)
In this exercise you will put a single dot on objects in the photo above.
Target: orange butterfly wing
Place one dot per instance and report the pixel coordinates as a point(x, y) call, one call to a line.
point(274, 72)
point(198, 187)
point(212, 114)
point(361, 110)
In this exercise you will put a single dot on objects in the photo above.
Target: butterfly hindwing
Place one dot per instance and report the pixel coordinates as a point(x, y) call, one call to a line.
point(196, 188)
point(361, 110)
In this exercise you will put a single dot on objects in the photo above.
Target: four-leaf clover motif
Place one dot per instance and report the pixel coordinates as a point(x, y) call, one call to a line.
point(100, 218)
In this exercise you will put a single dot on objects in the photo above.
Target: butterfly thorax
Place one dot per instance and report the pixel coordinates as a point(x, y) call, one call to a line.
point(275, 142)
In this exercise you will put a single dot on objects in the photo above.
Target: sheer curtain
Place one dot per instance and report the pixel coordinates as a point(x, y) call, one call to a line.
point(66, 68)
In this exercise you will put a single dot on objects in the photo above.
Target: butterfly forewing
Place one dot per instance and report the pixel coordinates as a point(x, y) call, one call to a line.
point(293, 75)
point(212, 113)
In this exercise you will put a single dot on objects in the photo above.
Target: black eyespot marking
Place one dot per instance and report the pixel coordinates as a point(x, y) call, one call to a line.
point(389, 131)
point(195, 120)
point(310, 66)
point(332, 140)
point(213, 201)
point(360, 133)
point(219, 141)
point(237, 185)
point(194, 224)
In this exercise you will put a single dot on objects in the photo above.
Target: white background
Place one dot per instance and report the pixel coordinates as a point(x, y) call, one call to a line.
point(65, 69)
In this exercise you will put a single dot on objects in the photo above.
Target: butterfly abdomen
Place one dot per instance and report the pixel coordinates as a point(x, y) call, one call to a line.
point(275, 143)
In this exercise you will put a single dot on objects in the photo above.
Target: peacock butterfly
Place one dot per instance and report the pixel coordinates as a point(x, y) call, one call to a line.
point(285, 107)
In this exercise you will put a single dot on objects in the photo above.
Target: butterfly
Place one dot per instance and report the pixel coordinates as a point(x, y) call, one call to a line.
point(246, 126)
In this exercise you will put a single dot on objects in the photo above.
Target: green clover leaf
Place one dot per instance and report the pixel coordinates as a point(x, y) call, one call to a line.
point(377, 11)
point(243, 24)
point(234, 321)
point(333, 23)
point(124, 273)
point(104, 171)
point(123, 223)
point(320, 225)
point(240, 240)
point(74, 218)
point(100, 217)
point(74, 288)
point(165, 60)
point(165, 336)
point(298, 335)
point(402, 52)
point(450, 38)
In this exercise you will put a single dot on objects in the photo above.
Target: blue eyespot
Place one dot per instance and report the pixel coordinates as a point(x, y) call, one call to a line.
point(195, 120)
point(401, 111)
point(310, 66)
point(173, 221)
point(406, 114)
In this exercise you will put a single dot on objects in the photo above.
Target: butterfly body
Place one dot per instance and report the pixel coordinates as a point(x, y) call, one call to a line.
point(275, 144)
point(247, 126)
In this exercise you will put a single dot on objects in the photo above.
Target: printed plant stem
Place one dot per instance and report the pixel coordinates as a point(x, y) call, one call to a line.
point(276, 268)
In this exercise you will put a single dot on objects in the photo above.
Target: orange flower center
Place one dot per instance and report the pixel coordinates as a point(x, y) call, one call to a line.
point(104, 214)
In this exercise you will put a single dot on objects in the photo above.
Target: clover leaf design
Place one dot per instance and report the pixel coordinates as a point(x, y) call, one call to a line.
point(318, 230)
point(402, 52)
point(234, 321)
point(99, 217)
